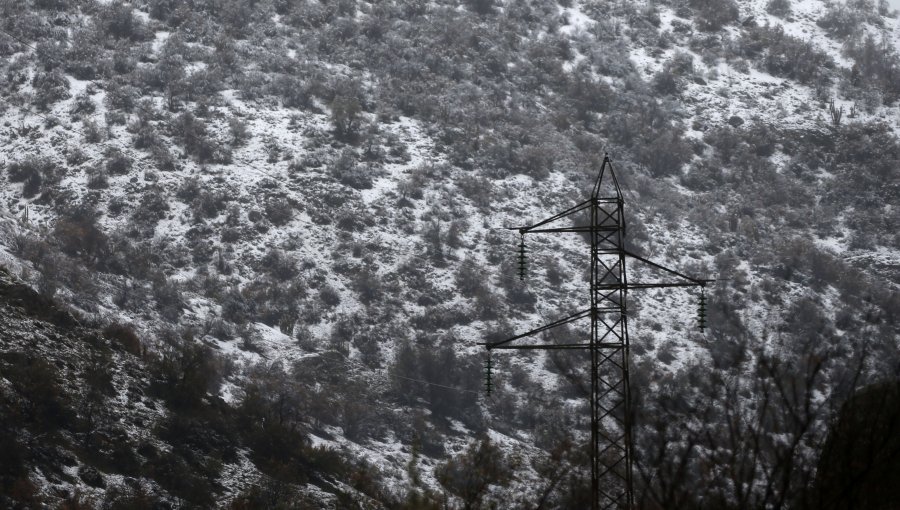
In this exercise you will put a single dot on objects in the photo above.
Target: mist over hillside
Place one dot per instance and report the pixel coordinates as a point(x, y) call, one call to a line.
point(248, 249)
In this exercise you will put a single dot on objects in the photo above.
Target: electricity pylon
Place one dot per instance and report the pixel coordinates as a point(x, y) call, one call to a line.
point(612, 444)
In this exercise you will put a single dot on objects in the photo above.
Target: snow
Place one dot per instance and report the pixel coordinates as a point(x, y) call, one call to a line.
point(662, 319)
point(578, 21)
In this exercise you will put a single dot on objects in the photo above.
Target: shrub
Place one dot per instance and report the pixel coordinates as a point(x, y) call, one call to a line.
point(125, 336)
point(329, 296)
point(83, 104)
point(279, 266)
point(294, 93)
point(196, 141)
point(97, 178)
point(785, 55)
point(92, 132)
point(46, 404)
point(239, 132)
point(84, 60)
point(209, 203)
point(666, 153)
point(482, 7)
point(348, 172)
point(118, 20)
point(78, 235)
point(470, 474)
point(120, 95)
point(163, 158)
point(780, 8)
point(470, 278)
point(49, 87)
point(117, 163)
point(279, 211)
point(34, 173)
point(665, 83)
point(841, 21)
point(186, 371)
point(876, 70)
point(75, 156)
point(145, 136)
point(712, 15)
point(152, 206)
point(345, 115)
point(368, 286)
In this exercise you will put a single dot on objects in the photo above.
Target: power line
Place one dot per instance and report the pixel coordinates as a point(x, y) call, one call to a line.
point(355, 364)
point(46, 119)
point(19, 40)
point(462, 390)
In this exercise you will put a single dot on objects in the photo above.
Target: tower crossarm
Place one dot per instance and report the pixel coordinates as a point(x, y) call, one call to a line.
point(687, 281)
point(572, 318)
point(575, 209)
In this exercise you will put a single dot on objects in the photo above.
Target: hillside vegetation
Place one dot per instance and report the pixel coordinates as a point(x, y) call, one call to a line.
point(250, 247)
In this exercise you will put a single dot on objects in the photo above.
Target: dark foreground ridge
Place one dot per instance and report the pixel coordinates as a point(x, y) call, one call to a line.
point(88, 419)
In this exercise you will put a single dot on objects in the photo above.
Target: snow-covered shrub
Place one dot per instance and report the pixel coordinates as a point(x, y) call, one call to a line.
point(780, 8)
point(712, 15)
point(92, 131)
point(666, 153)
point(329, 296)
point(34, 173)
point(78, 235)
point(117, 162)
point(665, 83)
point(239, 132)
point(210, 203)
point(841, 21)
point(279, 211)
point(347, 171)
point(471, 474)
point(293, 91)
point(50, 54)
point(97, 178)
point(120, 95)
point(75, 156)
point(124, 61)
point(482, 7)
point(125, 336)
point(52, 5)
point(785, 55)
point(84, 60)
point(49, 87)
point(876, 69)
point(83, 104)
point(280, 266)
point(117, 20)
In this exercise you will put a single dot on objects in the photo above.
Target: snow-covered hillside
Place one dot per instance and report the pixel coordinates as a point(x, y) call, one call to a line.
point(315, 194)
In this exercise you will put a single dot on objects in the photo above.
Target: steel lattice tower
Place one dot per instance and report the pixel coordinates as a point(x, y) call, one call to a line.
point(611, 417)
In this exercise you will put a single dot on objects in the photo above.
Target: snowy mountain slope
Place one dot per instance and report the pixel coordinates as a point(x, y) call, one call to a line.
point(317, 193)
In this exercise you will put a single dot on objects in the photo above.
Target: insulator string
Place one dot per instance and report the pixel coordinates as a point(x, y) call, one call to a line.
point(488, 368)
point(701, 311)
point(523, 258)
